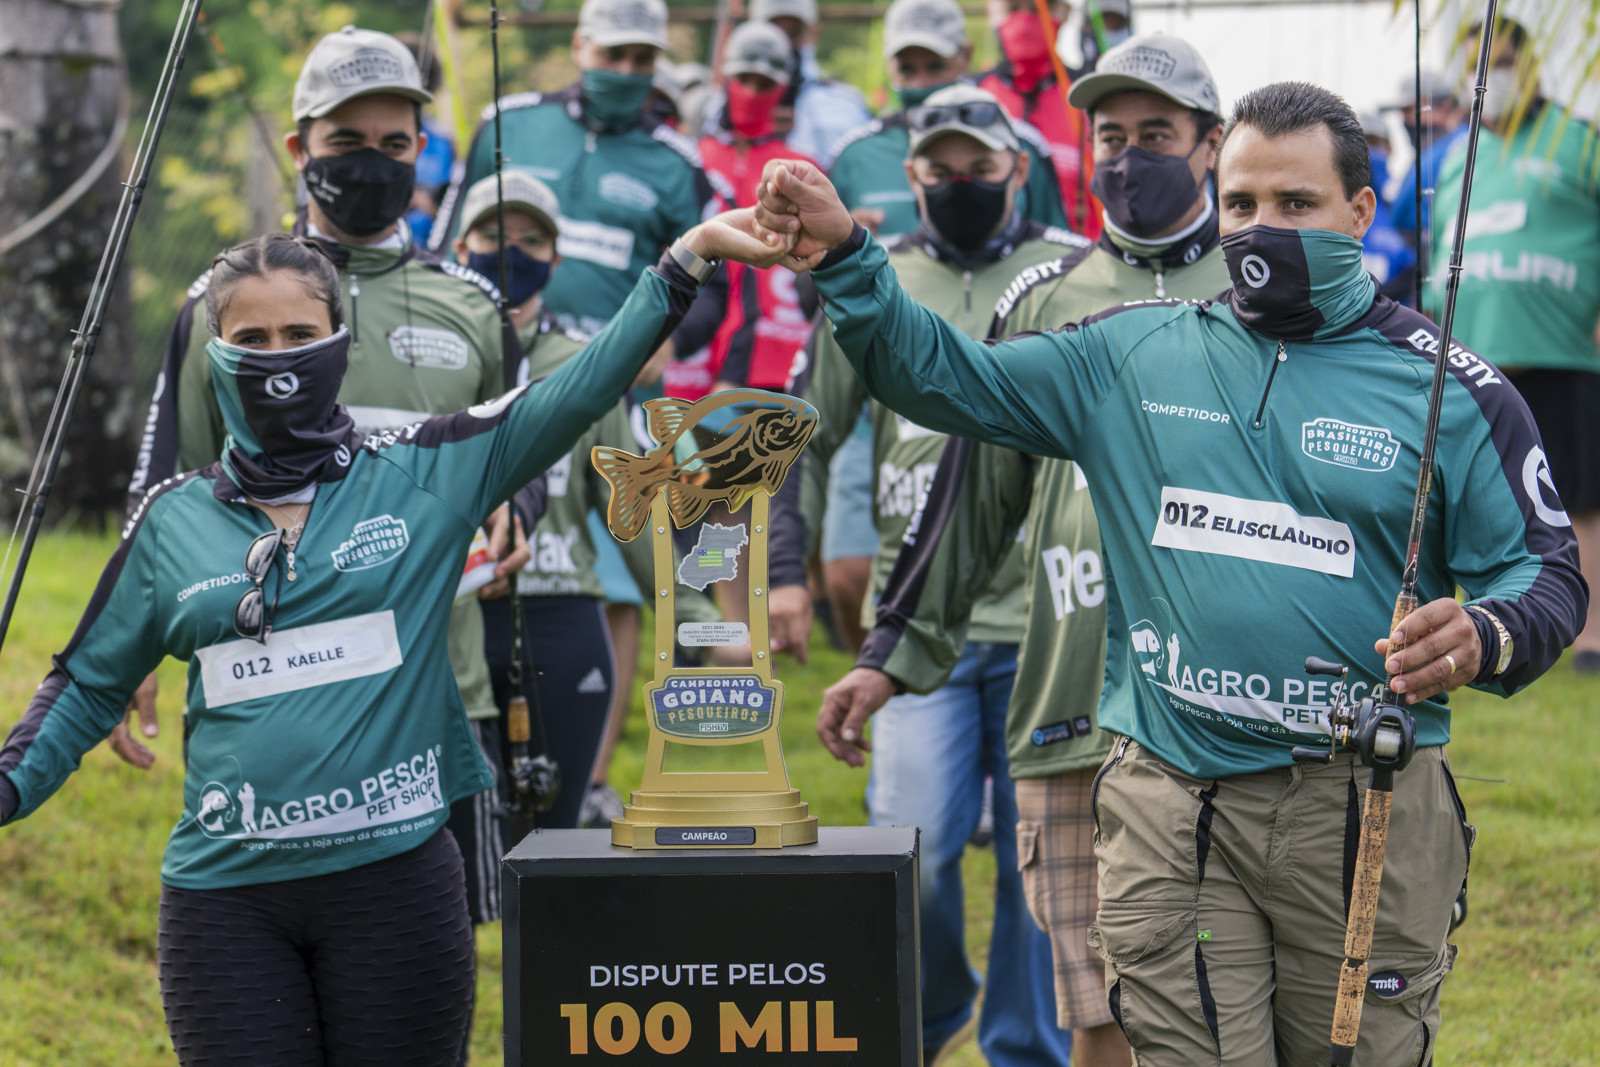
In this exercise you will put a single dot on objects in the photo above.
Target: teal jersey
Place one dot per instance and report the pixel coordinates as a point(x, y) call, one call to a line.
point(1253, 497)
point(342, 739)
point(1530, 267)
point(624, 195)
point(982, 494)
point(563, 551)
point(869, 171)
point(425, 339)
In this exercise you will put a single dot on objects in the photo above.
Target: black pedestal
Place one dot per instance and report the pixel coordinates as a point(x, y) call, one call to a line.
point(616, 956)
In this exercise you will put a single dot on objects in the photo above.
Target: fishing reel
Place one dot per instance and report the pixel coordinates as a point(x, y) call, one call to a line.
point(1383, 733)
point(535, 782)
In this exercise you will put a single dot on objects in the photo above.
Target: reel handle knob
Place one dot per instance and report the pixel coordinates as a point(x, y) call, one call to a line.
point(1317, 665)
point(1309, 754)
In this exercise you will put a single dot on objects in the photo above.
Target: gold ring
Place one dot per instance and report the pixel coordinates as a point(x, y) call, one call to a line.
point(1453, 667)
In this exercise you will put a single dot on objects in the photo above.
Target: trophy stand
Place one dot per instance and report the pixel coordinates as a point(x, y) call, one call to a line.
point(705, 940)
point(746, 459)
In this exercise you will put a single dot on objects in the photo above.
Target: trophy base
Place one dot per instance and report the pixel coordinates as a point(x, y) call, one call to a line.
point(715, 820)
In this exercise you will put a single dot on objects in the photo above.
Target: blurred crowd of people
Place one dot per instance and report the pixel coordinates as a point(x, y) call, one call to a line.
point(969, 583)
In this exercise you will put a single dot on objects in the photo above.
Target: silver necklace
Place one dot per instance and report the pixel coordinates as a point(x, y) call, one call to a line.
point(291, 535)
point(291, 532)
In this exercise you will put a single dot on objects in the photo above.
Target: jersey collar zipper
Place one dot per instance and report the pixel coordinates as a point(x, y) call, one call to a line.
point(355, 311)
point(1281, 357)
point(1161, 285)
point(966, 287)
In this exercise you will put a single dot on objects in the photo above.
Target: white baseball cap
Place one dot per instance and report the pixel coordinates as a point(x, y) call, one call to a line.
point(964, 109)
point(1150, 63)
point(609, 23)
point(767, 10)
point(937, 25)
point(523, 192)
point(351, 63)
point(757, 48)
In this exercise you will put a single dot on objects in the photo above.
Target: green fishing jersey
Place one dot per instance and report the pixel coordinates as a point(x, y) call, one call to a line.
point(1530, 267)
point(340, 740)
point(425, 339)
point(869, 171)
point(1252, 497)
point(980, 496)
point(904, 453)
point(625, 195)
point(563, 549)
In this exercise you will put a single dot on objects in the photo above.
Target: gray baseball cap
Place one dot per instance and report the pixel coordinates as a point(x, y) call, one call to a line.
point(960, 109)
point(523, 192)
point(1150, 63)
point(352, 63)
point(757, 48)
point(609, 23)
point(767, 10)
point(937, 25)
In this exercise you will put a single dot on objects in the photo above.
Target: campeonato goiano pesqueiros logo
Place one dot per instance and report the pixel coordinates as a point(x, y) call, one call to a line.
point(713, 706)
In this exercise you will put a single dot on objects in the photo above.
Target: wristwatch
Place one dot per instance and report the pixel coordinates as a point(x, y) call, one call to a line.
point(699, 269)
point(1505, 639)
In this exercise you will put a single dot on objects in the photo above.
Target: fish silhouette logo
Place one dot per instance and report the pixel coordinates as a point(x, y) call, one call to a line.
point(748, 440)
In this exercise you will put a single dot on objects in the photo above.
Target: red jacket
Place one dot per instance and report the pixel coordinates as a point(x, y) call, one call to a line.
point(1067, 130)
point(765, 326)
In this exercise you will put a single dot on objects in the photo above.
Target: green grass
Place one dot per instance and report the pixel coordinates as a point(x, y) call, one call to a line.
point(79, 880)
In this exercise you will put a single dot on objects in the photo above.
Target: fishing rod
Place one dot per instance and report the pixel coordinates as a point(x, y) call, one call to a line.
point(535, 780)
point(1406, 602)
point(1380, 729)
point(1423, 236)
point(30, 516)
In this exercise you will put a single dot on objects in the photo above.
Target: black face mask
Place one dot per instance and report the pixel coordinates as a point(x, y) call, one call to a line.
point(525, 275)
point(361, 192)
point(1144, 192)
point(965, 211)
point(285, 428)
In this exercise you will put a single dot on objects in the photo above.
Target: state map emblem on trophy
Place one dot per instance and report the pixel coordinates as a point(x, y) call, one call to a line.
point(732, 448)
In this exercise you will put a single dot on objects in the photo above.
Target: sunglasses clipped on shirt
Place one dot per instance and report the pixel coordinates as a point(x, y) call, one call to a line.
point(977, 114)
point(252, 616)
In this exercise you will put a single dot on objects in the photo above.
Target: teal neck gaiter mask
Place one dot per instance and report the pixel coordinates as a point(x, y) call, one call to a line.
point(613, 101)
point(915, 98)
point(1296, 285)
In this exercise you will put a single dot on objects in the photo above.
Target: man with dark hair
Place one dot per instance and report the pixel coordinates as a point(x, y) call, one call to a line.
point(1433, 132)
point(1530, 280)
point(1156, 130)
point(1255, 459)
point(926, 48)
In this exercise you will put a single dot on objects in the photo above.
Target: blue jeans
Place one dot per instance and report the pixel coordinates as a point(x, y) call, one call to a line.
point(930, 757)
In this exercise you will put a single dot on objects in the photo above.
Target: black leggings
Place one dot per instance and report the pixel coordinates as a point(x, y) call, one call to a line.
point(566, 648)
point(367, 966)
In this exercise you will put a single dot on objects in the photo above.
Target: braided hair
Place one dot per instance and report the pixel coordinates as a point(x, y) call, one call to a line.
point(261, 256)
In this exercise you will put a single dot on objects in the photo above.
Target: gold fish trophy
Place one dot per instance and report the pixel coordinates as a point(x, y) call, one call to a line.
point(730, 447)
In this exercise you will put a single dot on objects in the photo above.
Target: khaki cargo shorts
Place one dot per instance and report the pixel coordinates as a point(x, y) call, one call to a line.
point(1223, 902)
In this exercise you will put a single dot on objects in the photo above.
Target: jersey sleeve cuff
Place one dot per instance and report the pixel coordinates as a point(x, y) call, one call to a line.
point(10, 799)
point(852, 244)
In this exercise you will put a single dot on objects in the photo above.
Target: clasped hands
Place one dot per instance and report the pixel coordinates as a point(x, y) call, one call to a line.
point(797, 220)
